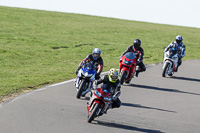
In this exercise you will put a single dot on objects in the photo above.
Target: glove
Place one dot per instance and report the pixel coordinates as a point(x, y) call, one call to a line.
point(95, 82)
point(179, 56)
point(116, 95)
point(77, 72)
point(114, 98)
point(95, 85)
point(79, 67)
point(137, 62)
point(97, 76)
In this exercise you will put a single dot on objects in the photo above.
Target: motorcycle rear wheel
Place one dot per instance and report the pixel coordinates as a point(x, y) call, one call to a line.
point(166, 69)
point(94, 113)
point(81, 88)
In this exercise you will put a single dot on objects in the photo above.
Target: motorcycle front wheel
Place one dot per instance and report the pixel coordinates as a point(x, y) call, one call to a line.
point(81, 88)
point(166, 69)
point(93, 113)
point(123, 76)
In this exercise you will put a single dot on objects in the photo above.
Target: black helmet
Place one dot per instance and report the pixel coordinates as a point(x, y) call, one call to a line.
point(136, 43)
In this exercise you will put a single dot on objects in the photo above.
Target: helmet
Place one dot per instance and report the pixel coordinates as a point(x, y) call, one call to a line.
point(136, 43)
point(96, 53)
point(179, 39)
point(113, 75)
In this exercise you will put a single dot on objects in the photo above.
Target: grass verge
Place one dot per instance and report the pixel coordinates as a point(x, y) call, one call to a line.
point(38, 48)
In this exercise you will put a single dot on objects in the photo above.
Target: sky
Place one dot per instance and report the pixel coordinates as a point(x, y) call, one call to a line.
point(172, 12)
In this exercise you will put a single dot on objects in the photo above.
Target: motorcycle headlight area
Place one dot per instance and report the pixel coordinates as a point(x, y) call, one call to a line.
point(97, 93)
point(107, 98)
point(86, 74)
point(127, 62)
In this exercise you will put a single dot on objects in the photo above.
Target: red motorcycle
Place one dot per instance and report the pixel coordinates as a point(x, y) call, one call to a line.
point(127, 67)
point(99, 102)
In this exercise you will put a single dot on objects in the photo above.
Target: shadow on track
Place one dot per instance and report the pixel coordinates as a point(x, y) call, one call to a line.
point(187, 79)
point(140, 106)
point(126, 127)
point(161, 89)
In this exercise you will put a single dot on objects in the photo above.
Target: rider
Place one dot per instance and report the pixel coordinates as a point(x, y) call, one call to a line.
point(95, 58)
point(112, 81)
point(139, 52)
point(178, 44)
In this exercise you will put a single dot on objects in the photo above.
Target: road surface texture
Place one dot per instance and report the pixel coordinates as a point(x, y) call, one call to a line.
point(150, 104)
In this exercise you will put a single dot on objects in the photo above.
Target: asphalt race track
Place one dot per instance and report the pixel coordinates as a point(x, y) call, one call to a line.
point(150, 104)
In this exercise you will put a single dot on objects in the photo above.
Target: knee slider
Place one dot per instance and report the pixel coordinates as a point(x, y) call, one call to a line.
point(144, 69)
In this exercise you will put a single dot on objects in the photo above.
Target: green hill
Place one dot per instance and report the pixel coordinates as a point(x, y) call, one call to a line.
point(38, 48)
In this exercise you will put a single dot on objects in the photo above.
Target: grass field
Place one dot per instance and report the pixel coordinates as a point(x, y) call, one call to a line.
point(38, 48)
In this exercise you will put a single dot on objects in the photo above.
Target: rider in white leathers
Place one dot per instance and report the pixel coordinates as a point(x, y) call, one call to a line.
point(178, 44)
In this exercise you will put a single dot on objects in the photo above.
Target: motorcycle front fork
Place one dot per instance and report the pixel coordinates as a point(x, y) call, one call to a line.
point(88, 89)
point(77, 82)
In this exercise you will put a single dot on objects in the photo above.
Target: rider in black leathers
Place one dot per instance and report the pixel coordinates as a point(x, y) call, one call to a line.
point(139, 52)
point(112, 81)
point(95, 58)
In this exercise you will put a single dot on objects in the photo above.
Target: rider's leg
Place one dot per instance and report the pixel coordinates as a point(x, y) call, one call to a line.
point(141, 68)
point(179, 63)
point(116, 104)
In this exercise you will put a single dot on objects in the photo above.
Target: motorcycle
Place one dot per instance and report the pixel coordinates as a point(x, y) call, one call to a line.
point(127, 67)
point(85, 79)
point(170, 62)
point(99, 102)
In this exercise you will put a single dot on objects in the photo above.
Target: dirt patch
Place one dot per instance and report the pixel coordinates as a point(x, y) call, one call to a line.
point(11, 96)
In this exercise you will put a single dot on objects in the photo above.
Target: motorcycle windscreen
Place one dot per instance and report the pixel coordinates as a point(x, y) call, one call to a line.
point(89, 68)
point(130, 55)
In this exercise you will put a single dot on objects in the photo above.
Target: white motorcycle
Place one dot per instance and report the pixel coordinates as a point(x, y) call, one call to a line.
point(170, 62)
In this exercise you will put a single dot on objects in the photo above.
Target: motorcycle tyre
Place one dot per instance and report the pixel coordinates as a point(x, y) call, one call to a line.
point(128, 82)
point(166, 68)
point(94, 113)
point(123, 76)
point(80, 90)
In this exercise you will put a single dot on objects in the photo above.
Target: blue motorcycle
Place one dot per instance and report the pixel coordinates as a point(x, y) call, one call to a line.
point(85, 78)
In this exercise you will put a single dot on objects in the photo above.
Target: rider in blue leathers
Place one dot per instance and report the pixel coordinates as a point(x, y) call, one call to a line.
point(178, 44)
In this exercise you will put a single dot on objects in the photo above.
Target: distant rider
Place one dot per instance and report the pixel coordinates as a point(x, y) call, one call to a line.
point(95, 57)
point(139, 52)
point(178, 45)
point(113, 82)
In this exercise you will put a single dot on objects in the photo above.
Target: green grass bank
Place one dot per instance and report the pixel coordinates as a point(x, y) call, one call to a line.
point(38, 48)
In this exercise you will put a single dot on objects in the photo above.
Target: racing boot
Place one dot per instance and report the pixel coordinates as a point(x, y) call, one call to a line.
point(137, 73)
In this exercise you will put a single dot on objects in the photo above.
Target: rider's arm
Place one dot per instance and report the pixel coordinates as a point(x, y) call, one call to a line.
point(118, 92)
point(101, 80)
point(127, 50)
point(169, 46)
point(100, 66)
point(87, 58)
point(79, 66)
point(141, 54)
point(183, 51)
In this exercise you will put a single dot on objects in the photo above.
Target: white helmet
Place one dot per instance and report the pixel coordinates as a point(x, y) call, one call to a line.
point(96, 53)
point(179, 39)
